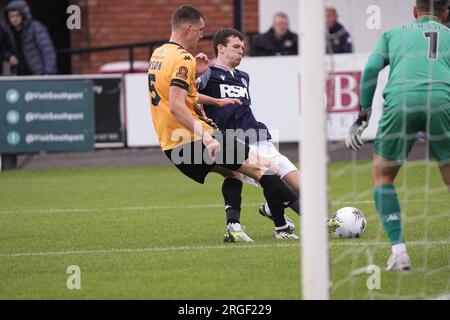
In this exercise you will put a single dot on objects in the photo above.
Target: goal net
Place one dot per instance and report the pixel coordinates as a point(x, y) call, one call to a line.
point(357, 266)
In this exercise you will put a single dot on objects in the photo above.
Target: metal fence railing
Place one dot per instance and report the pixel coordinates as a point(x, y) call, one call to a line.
point(151, 45)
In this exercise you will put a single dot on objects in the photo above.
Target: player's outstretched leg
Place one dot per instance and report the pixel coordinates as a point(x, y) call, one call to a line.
point(231, 191)
point(277, 194)
point(264, 210)
point(275, 191)
point(291, 177)
point(388, 208)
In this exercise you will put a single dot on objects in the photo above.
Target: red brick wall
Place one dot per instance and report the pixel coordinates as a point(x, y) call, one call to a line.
point(109, 22)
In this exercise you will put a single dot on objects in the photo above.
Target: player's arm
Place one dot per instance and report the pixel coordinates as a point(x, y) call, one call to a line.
point(203, 79)
point(181, 76)
point(200, 111)
point(202, 82)
point(178, 108)
point(201, 64)
point(369, 80)
point(377, 61)
point(204, 99)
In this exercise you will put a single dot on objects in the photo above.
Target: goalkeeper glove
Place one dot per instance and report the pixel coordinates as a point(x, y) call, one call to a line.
point(353, 140)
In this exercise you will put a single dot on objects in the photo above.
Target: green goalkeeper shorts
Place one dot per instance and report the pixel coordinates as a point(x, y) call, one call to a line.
point(404, 116)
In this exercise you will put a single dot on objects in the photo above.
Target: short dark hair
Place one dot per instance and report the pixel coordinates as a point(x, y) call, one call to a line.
point(281, 15)
point(221, 37)
point(434, 7)
point(186, 14)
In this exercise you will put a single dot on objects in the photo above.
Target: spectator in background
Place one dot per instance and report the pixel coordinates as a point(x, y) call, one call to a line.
point(338, 38)
point(31, 50)
point(3, 47)
point(278, 41)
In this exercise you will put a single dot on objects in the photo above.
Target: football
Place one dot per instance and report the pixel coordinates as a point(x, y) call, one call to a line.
point(352, 223)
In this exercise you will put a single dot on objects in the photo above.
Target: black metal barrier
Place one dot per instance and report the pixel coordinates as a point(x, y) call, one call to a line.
point(150, 45)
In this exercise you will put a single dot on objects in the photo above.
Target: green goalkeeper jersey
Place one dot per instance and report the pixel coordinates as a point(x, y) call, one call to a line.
point(419, 57)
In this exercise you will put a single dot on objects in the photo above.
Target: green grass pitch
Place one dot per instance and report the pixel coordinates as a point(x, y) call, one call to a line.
point(151, 233)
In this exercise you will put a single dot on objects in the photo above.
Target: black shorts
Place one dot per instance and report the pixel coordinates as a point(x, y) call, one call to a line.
point(193, 160)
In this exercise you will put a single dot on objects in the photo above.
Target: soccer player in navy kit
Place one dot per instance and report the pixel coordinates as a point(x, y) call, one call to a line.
point(223, 81)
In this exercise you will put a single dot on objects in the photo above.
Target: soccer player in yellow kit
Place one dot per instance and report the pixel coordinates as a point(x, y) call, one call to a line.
point(189, 142)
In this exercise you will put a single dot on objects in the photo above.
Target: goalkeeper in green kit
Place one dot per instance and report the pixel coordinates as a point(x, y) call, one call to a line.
point(416, 98)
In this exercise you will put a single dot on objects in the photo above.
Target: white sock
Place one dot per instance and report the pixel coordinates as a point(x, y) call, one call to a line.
point(267, 209)
point(236, 227)
point(398, 248)
point(281, 228)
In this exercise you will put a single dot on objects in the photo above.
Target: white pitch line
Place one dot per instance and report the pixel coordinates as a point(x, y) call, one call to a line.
point(443, 297)
point(219, 247)
point(85, 210)
point(143, 208)
point(354, 242)
point(145, 250)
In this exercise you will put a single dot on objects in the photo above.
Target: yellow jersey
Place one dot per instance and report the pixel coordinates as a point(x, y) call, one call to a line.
point(172, 65)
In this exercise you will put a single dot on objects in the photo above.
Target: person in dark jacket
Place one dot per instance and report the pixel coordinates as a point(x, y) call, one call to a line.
point(31, 49)
point(278, 41)
point(447, 23)
point(338, 39)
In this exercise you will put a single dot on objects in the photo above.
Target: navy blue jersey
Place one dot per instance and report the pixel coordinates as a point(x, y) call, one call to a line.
point(222, 83)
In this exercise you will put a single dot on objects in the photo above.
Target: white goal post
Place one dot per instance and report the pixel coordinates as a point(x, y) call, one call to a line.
point(315, 266)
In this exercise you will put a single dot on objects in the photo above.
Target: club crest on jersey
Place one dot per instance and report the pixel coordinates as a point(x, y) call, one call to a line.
point(244, 82)
point(182, 73)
